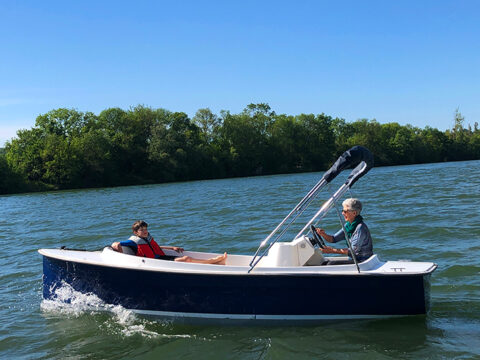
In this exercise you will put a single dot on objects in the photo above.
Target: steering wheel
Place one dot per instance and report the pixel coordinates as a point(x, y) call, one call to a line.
point(317, 239)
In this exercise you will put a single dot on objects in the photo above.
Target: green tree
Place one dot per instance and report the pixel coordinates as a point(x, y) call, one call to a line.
point(93, 153)
point(402, 145)
point(435, 145)
point(459, 147)
point(128, 134)
point(245, 139)
point(318, 141)
point(10, 181)
point(67, 123)
point(174, 148)
point(458, 130)
point(45, 153)
point(369, 134)
point(208, 123)
point(287, 144)
point(24, 154)
point(60, 162)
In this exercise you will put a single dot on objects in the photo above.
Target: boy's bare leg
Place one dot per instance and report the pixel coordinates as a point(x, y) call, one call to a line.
point(220, 260)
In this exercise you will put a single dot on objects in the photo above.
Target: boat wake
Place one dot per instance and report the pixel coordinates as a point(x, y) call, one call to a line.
point(67, 302)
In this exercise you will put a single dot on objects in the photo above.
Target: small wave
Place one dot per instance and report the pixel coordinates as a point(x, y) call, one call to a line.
point(71, 303)
point(456, 271)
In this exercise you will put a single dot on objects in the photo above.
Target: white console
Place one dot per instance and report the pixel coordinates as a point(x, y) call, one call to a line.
point(298, 252)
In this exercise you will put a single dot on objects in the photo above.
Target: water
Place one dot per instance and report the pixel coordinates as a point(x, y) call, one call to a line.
point(422, 213)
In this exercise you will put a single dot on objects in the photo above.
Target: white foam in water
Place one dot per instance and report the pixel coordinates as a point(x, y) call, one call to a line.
point(68, 301)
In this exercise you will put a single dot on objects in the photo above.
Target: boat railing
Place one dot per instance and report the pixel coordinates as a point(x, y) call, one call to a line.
point(357, 156)
point(284, 225)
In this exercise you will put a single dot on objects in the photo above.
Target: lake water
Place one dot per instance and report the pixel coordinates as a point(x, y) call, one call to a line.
point(423, 213)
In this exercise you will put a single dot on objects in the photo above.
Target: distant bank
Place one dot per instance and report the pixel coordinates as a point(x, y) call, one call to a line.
point(68, 149)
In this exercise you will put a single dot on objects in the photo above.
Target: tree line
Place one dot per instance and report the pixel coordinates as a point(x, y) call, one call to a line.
point(71, 149)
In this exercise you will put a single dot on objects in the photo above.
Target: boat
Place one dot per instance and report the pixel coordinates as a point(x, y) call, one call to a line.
point(284, 281)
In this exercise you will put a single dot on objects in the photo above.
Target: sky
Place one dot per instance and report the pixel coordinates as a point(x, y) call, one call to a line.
point(411, 62)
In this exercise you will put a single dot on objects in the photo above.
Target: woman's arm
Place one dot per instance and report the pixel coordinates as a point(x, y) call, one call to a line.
point(330, 250)
point(323, 234)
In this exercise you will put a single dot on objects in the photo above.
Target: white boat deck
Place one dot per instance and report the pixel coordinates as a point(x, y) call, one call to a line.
point(236, 264)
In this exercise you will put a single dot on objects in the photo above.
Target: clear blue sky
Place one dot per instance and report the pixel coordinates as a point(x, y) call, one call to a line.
point(411, 62)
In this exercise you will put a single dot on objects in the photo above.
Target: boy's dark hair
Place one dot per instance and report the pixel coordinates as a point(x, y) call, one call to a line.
point(138, 224)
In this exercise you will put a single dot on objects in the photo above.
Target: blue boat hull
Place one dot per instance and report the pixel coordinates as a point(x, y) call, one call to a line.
point(276, 296)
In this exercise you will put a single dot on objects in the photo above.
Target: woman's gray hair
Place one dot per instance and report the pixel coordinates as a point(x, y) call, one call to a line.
point(353, 204)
